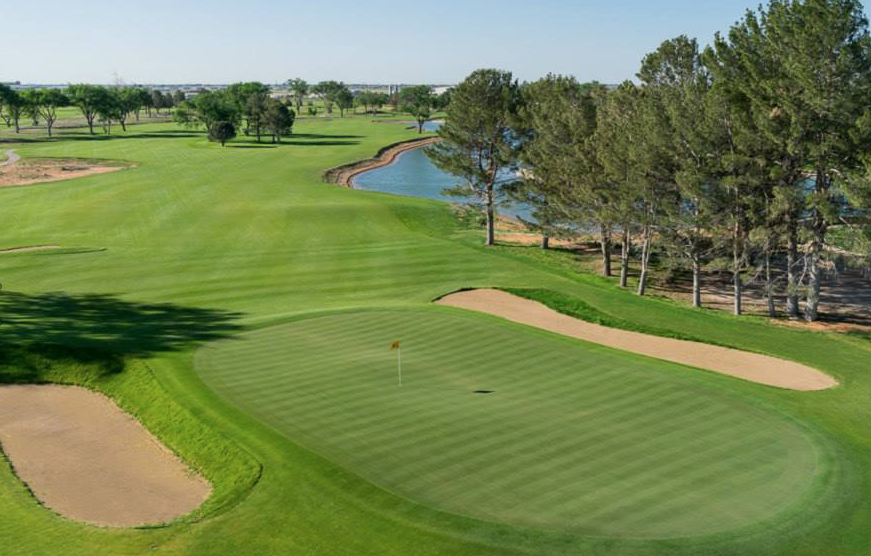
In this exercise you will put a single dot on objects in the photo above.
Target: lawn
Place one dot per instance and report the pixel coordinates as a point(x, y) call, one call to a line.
point(235, 292)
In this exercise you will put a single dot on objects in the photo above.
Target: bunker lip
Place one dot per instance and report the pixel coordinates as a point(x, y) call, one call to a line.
point(753, 367)
point(86, 459)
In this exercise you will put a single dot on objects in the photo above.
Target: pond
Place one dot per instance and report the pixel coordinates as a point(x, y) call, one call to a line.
point(413, 174)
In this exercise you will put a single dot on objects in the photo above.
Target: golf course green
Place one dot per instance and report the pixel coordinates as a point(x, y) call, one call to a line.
point(580, 439)
point(243, 310)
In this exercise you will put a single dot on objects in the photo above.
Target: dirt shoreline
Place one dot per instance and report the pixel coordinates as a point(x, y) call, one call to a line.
point(753, 367)
point(343, 175)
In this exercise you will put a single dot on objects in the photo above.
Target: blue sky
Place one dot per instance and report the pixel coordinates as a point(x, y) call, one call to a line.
point(221, 41)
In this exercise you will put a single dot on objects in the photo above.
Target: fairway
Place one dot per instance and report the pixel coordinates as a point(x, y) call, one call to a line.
point(574, 437)
point(211, 273)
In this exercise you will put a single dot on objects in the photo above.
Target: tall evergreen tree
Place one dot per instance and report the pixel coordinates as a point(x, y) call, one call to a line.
point(824, 51)
point(618, 140)
point(683, 85)
point(478, 141)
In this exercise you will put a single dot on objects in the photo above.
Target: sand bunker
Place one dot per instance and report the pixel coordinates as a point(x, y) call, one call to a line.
point(30, 171)
point(748, 366)
point(88, 460)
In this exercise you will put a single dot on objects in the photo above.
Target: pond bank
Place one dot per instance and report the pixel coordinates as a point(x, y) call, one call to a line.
point(342, 175)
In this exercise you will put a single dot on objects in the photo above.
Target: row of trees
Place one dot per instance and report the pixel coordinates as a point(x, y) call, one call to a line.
point(116, 104)
point(97, 103)
point(418, 101)
point(223, 112)
point(332, 93)
point(743, 155)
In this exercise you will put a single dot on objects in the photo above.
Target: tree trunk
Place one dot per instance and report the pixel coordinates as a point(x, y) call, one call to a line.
point(491, 217)
point(606, 249)
point(792, 268)
point(815, 274)
point(697, 281)
point(769, 286)
point(419, 127)
point(91, 124)
point(17, 129)
point(624, 258)
point(545, 241)
point(645, 260)
point(737, 285)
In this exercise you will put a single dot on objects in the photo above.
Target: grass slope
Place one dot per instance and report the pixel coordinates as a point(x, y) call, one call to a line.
point(198, 243)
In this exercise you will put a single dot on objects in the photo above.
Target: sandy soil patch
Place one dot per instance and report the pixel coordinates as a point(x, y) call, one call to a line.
point(754, 367)
point(30, 171)
point(342, 175)
point(86, 459)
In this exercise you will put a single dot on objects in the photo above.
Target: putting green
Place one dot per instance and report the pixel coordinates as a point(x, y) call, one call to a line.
point(574, 438)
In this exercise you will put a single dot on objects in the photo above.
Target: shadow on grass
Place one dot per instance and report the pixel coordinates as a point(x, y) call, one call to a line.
point(107, 323)
point(86, 137)
point(252, 146)
point(319, 143)
point(312, 139)
point(321, 136)
point(237, 144)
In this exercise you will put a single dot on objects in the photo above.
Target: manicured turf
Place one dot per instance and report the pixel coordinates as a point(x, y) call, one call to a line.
point(574, 437)
point(198, 244)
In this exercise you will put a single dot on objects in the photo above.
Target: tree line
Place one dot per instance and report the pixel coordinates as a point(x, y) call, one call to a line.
point(744, 155)
point(418, 100)
point(97, 103)
point(248, 106)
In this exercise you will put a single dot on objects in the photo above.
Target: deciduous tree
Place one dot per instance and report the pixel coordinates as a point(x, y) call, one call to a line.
point(278, 119)
point(90, 99)
point(419, 102)
point(45, 103)
point(221, 132)
point(300, 90)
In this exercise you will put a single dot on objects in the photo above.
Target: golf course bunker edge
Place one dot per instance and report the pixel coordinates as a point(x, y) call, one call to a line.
point(88, 460)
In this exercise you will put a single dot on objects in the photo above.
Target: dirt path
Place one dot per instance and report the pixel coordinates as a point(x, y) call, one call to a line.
point(88, 460)
point(344, 174)
point(762, 369)
point(11, 158)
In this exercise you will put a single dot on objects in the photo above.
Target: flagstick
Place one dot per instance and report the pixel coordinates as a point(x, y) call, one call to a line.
point(399, 364)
